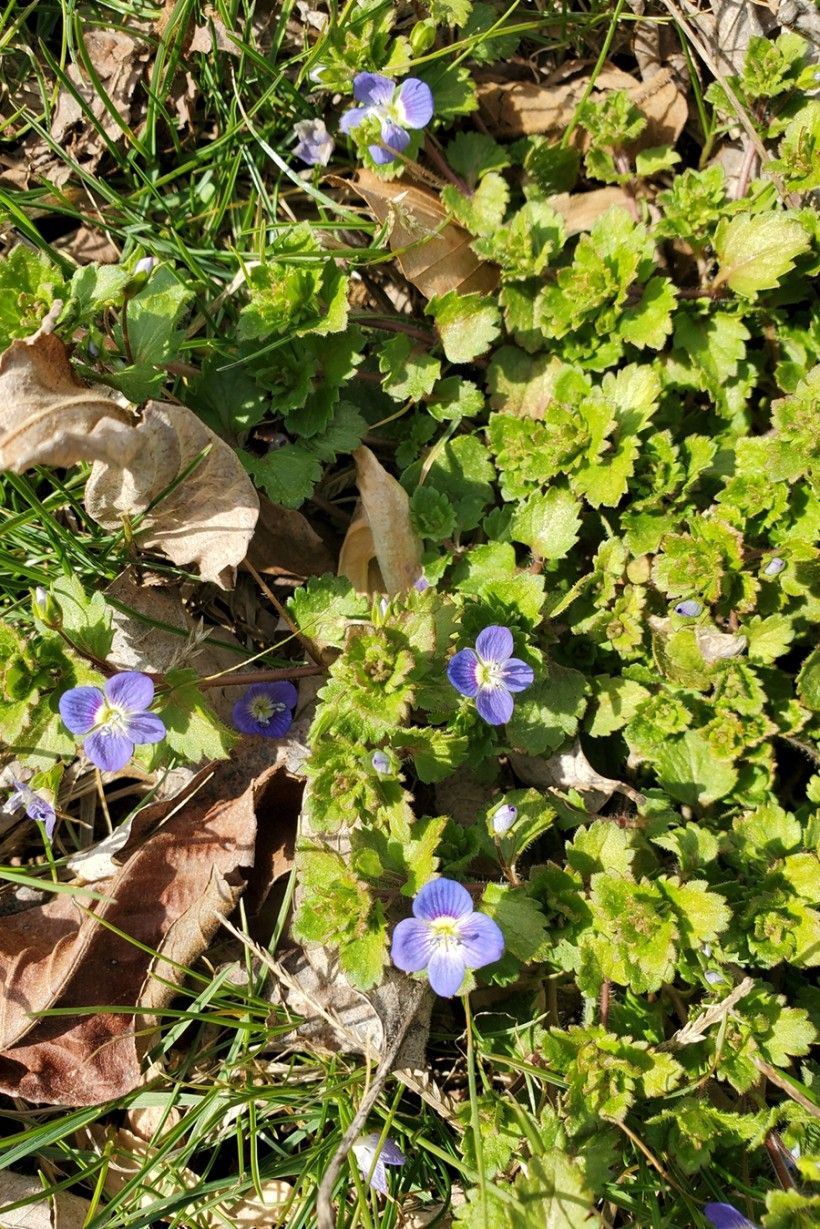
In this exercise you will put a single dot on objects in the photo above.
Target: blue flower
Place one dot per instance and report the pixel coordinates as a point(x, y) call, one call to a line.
point(115, 719)
point(266, 708)
point(445, 936)
point(372, 1159)
point(381, 762)
point(774, 567)
point(724, 1216)
point(504, 818)
point(397, 108)
point(315, 142)
point(35, 805)
point(490, 674)
point(690, 608)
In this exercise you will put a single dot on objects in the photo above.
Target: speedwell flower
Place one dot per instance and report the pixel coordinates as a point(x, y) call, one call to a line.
point(724, 1216)
point(367, 1151)
point(315, 142)
point(397, 108)
point(490, 674)
point(266, 708)
point(114, 719)
point(445, 936)
point(35, 805)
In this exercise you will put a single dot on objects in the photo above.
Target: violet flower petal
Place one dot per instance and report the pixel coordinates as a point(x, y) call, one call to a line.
point(724, 1216)
point(393, 136)
point(481, 941)
point(373, 89)
point(391, 1153)
point(516, 675)
point(412, 945)
point(352, 118)
point(494, 704)
point(80, 707)
point(442, 898)
point(414, 103)
point(446, 971)
point(494, 643)
point(145, 728)
point(108, 749)
point(130, 690)
point(462, 671)
point(504, 818)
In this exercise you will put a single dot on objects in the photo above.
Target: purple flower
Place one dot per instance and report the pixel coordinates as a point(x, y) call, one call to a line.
point(114, 719)
point(724, 1216)
point(421, 585)
point(490, 674)
point(445, 936)
point(381, 762)
point(145, 265)
point(35, 805)
point(690, 608)
point(504, 818)
point(774, 567)
point(713, 977)
point(315, 142)
point(266, 708)
point(372, 1159)
point(397, 108)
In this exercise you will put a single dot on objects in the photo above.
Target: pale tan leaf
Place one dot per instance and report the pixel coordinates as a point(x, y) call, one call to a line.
point(396, 545)
point(60, 1211)
point(286, 544)
point(119, 61)
point(432, 252)
point(48, 417)
point(581, 210)
point(357, 557)
point(716, 646)
point(209, 517)
point(569, 768)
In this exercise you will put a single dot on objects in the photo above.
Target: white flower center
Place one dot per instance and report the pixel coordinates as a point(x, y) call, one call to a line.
point(263, 708)
point(113, 717)
point(446, 933)
point(489, 673)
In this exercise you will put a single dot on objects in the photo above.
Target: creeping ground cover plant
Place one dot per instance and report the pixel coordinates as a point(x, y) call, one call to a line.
point(409, 591)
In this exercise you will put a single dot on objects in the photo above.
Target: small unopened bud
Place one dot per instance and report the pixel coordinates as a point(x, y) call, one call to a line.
point(145, 265)
point(381, 762)
point(714, 978)
point(504, 818)
point(422, 36)
point(690, 608)
point(138, 279)
point(46, 608)
point(774, 567)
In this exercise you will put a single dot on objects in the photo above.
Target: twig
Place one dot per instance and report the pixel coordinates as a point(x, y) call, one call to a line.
point(603, 1002)
point(256, 676)
point(745, 172)
point(307, 644)
point(431, 148)
point(695, 1030)
point(324, 1206)
point(773, 1146)
point(774, 1077)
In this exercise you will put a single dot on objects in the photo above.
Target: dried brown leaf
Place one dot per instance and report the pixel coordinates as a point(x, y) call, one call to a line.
point(581, 210)
point(118, 60)
point(59, 1211)
point(169, 896)
point(286, 544)
point(48, 417)
point(569, 768)
point(209, 517)
point(432, 252)
point(395, 543)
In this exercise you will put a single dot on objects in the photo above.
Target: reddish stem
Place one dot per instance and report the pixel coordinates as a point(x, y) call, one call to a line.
point(259, 676)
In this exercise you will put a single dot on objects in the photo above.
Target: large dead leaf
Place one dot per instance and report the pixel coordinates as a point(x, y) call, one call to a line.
point(388, 534)
point(48, 417)
point(522, 108)
point(60, 1211)
point(432, 252)
point(208, 519)
point(581, 210)
point(170, 893)
point(569, 768)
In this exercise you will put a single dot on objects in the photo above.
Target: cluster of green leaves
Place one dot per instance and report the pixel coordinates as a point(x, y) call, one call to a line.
point(68, 650)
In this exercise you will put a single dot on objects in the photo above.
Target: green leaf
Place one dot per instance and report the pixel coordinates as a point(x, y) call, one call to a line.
point(549, 524)
point(652, 161)
point(286, 475)
point(546, 714)
point(411, 372)
point(153, 316)
point(650, 322)
point(193, 729)
point(490, 573)
point(618, 700)
point(521, 921)
point(755, 250)
point(689, 770)
point(467, 324)
point(450, 12)
point(323, 607)
point(87, 620)
point(29, 284)
point(808, 682)
point(94, 287)
point(362, 959)
point(483, 211)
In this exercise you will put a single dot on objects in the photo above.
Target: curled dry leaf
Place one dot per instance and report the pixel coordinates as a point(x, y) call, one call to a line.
point(391, 538)
point(569, 768)
point(716, 646)
point(60, 1211)
point(208, 519)
point(169, 895)
point(48, 417)
point(523, 108)
point(432, 252)
point(286, 544)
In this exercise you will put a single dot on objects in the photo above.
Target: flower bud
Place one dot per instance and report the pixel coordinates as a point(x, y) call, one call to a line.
point(47, 609)
point(422, 36)
point(504, 818)
point(774, 567)
point(381, 762)
point(690, 608)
